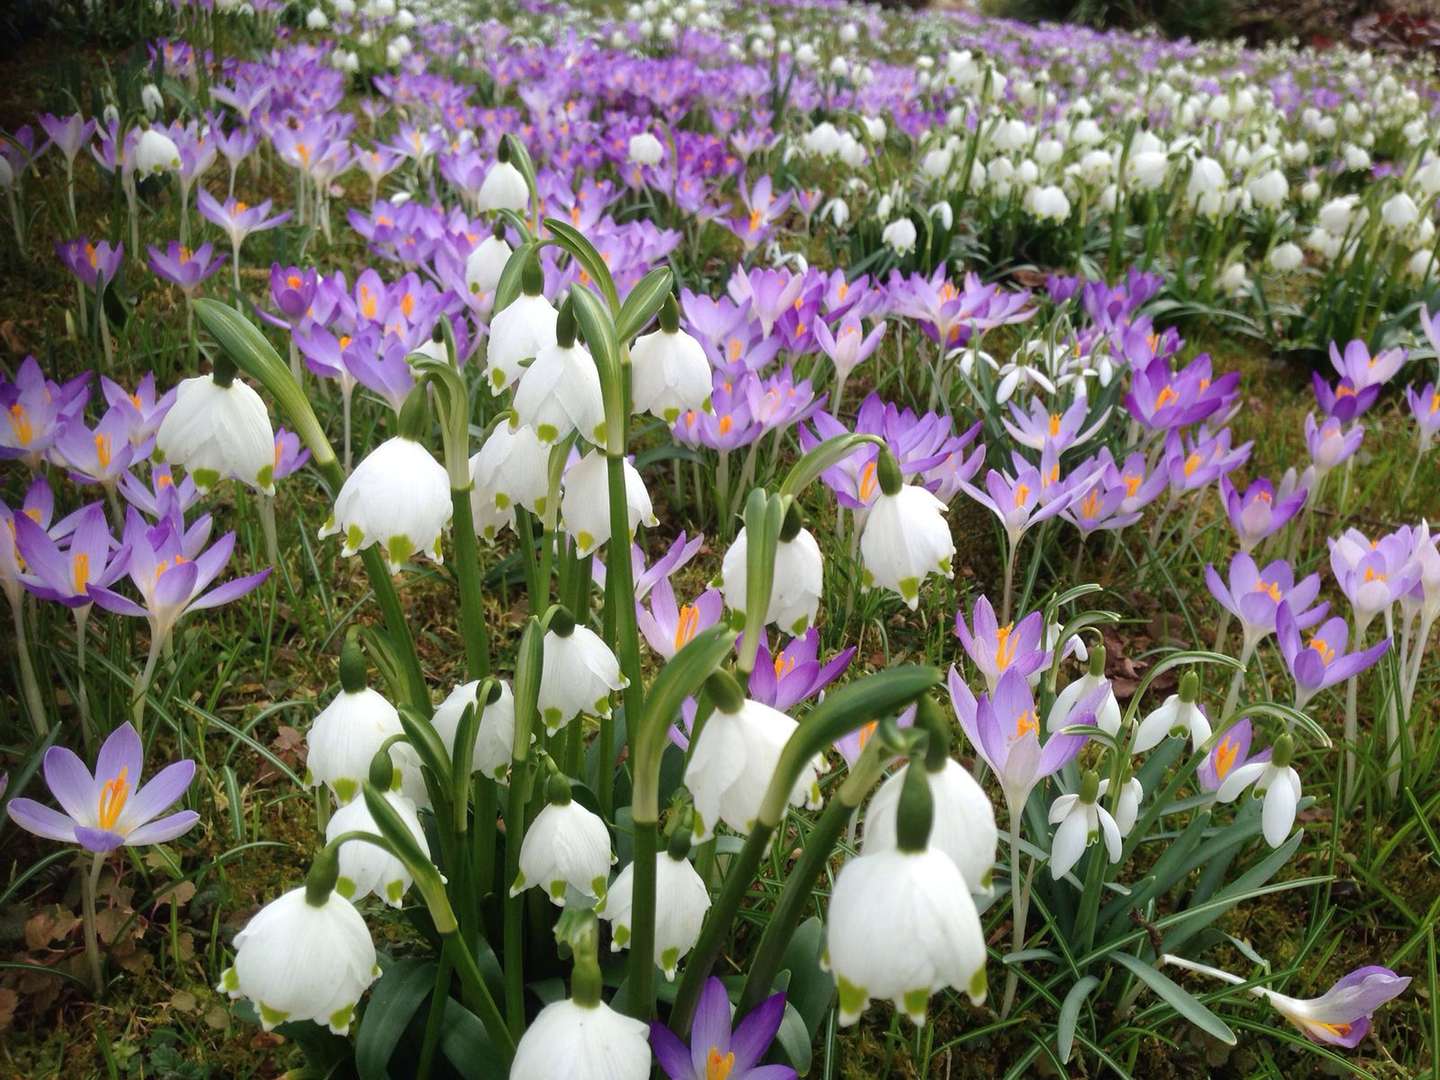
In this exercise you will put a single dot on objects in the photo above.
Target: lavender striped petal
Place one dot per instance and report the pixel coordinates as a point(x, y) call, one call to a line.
point(71, 783)
point(121, 752)
point(231, 590)
point(41, 820)
point(167, 828)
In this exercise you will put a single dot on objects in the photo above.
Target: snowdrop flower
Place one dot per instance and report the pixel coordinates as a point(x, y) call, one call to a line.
point(588, 1041)
point(151, 100)
point(485, 264)
point(1178, 714)
point(669, 372)
point(315, 19)
point(906, 536)
point(1082, 820)
point(519, 331)
point(964, 826)
point(585, 502)
point(677, 920)
point(303, 957)
point(218, 429)
point(1286, 257)
point(733, 761)
point(398, 497)
point(1127, 806)
point(510, 469)
point(899, 236)
point(495, 737)
point(348, 733)
point(799, 579)
point(156, 153)
point(504, 188)
point(645, 149)
point(1277, 780)
point(1269, 190)
point(1048, 203)
point(902, 924)
point(560, 390)
point(566, 846)
point(1093, 686)
point(366, 869)
point(579, 674)
point(1148, 168)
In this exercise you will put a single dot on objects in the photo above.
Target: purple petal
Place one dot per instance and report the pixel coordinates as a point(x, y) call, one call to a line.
point(41, 820)
point(672, 1054)
point(70, 782)
point(121, 753)
point(167, 828)
point(756, 1032)
point(100, 840)
point(231, 590)
point(175, 585)
point(711, 1025)
point(771, 1072)
point(113, 602)
point(164, 789)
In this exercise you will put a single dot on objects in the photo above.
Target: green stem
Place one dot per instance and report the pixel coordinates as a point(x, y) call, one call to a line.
point(514, 905)
point(477, 996)
point(640, 1002)
point(1017, 911)
point(467, 570)
point(89, 885)
point(438, 997)
point(33, 701)
point(484, 832)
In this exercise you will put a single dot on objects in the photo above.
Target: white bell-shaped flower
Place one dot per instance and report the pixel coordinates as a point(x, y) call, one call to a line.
point(156, 153)
point(678, 916)
point(520, 330)
point(1127, 807)
point(349, 732)
point(1178, 714)
point(560, 390)
point(366, 869)
point(906, 536)
point(398, 497)
point(218, 429)
point(301, 961)
point(732, 764)
point(485, 264)
point(579, 674)
point(565, 847)
point(504, 188)
point(510, 469)
point(1093, 686)
point(964, 826)
point(1082, 820)
point(902, 924)
point(798, 582)
point(582, 1042)
point(495, 737)
point(669, 372)
point(585, 502)
point(1277, 781)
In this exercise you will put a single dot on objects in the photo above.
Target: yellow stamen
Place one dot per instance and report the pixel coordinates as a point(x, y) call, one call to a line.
point(80, 574)
point(686, 625)
point(868, 481)
point(1132, 484)
point(718, 1066)
point(1321, 646)
point(1022, 494)
point(1165, 397)
point(1225, 755)
point(112, 800)
point(20, 424)
point(1027, 723)
point(1054, 424)
point(1192, 463)
point(1004, 647)
point(727, 422)
point(102, 450)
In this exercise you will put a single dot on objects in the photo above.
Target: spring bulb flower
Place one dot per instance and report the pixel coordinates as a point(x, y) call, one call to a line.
point(398, 497)
point(1178, 714)
point(669, 371)
point(585, 502)
point(218, 429)
point(678, 918)
point(565, 847)
point(798, 582)
point(964, 826)
point(1277, 781)
point(718, 1046)
point(579, 675)
point(368, 870)
point(906, 536)
point(510, 469)
point(1082, 819)
point(495, 737)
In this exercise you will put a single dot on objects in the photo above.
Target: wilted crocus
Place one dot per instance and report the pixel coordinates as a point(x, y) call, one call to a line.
point(1322, 661)
point(1341, 1015)
point(718, 1047)
point(1258, 512)
point(996, 649)
point(109, 808)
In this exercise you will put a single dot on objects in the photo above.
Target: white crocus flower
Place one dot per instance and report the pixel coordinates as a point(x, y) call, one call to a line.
point(510, 469)
point(398, 497)
point(519, 331)
point(585, 502)
point(1082, 820)
point(579, 675)
point(366, 869)
point(964, 826)
point(798, 581)
point(560, 392)
point(582, 1042)
point(156, 153)
point(301, 961)
point(733, 761)
point(565, 847)
point(669, 372)
point(504, 189)
point(218, 429)
point(494, 738)
point(1178, 714)
point(906, 536)
point(1280, 785)
point(678, 918)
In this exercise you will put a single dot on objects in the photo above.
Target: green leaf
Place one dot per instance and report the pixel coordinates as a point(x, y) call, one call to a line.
point(1187, 924)
point(529, 661)
point(829, 453)
point(764, 516)
point(1070, 1014)
point(1177, 997)
point(431, 748)
point(574, 241)
point(811, 987)
point(643, 302)
point(508, 287)
point(795, 1039)
point(393, 1002)
point(401, 843)
point(466, 1045)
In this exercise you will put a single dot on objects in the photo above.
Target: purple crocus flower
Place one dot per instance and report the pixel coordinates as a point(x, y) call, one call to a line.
point(1322, 661)
point(680, 552)
point(1342, 401)
point(109, 809)
point(1194, 463)
point(770, 293)
point(1231, 752)
point(143, 409)
point(849, 346)
point(996, 649)
point(719, 1048)
point(68, 134)
point(171, 582)
point(1258, 513)
point(94, 265)
point(91, 560)
point(851, 746)
point(35, 409)
point(98, 456)
point(1017, 501)
point(668, 628)
point(289, 454)
point(1341, 1015)
point(1164, 400)
point(1253, 595)
point(1425, 405)
point(1373, 574)
point(238, 219)
point(292, 290)
point(162, 495)
point(1330, 443)
point(1103, 505)
point(1364, 370)
point(1040, 427)
point(1004, 728)
point(795, 672)
point(183, 267)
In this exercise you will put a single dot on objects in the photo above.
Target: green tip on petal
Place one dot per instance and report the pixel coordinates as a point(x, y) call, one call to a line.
point(345, 887)
point(979, 984)
point(345, 789)
point(621, 935)
point(340, 1019)
point(394, 891)
point(270, 1017)
point(914, 1005)
point(853, 1000)
point(205, 479)
point(669, 959)
point(398, 550)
